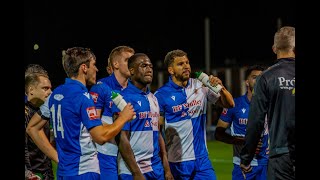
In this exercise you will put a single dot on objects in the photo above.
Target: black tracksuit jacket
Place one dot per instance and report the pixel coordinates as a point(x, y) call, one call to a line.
point(274, 96)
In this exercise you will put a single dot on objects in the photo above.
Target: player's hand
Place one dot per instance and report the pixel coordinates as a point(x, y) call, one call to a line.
point(33, 177)
point(245, 168)
point(127, 112)
point(259, 146)
point(168, 176)
point(215, 80)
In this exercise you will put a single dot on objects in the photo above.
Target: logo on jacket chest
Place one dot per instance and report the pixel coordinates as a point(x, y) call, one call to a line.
point(288, 84)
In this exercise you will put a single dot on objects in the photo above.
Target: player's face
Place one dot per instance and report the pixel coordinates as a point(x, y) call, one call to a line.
point(181, 68)
point(123, 64)
point(43, 89)
point(92, 73)
point(252, 78)
point(143, 71)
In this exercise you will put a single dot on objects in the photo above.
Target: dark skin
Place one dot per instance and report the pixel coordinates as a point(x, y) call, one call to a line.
point(141, 77)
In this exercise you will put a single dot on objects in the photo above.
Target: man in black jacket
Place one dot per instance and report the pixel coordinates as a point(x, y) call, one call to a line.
point(274, 96)
point(37, 89)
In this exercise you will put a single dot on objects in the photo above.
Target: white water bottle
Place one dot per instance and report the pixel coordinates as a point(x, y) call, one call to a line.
point(119, 101)
point(204, 78)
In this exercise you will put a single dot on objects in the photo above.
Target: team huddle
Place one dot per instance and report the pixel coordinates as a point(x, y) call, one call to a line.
point(160, 135)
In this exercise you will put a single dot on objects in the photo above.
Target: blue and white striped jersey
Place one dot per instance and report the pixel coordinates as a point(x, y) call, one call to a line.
point(238, 118)
point(144, 130)
point(101, 94)
point(184, 109)
point(73, 113)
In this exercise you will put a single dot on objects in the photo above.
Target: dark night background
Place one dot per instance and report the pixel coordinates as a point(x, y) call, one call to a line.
point(241, 31)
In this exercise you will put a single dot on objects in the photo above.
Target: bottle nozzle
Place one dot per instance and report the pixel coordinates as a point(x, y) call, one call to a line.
point(198, 74)
point(114, 94)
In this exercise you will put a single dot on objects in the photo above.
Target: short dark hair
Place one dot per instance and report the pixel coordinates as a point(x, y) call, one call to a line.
point(134, 58)
point(73, 57)
point(256, 67)
point(168, 60)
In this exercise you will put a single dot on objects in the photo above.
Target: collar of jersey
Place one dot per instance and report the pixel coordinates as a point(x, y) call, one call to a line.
point(177, 87)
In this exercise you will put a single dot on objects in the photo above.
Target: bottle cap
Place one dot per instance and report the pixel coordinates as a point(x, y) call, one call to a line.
point(114, 94)
point(198, 74)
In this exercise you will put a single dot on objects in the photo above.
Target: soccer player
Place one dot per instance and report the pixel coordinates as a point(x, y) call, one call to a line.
point(117, 81)
point(237, 118)
point(274, 97)
point(142, 148)
point(74, 118)
point(37, 89)
point(183, 105)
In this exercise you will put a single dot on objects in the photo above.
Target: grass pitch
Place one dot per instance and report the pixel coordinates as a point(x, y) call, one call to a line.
point(220, 155)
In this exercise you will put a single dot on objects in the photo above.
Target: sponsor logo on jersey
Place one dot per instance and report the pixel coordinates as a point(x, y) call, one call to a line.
point(154, 123)
point(183, 114)
point(147, 124)
point(186, 105)
point(224, 111)
point(110, 104)
point(87, 95)
point(139, 102)
point(193, 111)
point(94, 96)
point(243, 110)
point(148, 114)
point(58, 97)
point(173, 98)
point(92, 113)
point(243, 121)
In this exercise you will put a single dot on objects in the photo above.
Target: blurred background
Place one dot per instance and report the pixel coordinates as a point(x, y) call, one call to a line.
point(221, 37)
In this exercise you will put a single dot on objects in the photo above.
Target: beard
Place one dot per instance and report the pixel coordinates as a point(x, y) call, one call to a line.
point(251, 88)
point(183, 77)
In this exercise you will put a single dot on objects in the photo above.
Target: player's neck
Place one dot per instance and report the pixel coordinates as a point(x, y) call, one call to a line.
point(123, 81)
point(289, 55)
point(179, 82)
point(81, 78)
point(249, 95)
point(35, 102)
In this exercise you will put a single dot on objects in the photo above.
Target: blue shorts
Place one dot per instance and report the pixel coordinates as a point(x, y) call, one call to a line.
point(257, 173)
point(156, 174)
point(108, 166)
point(85, 176)
point(200, 168)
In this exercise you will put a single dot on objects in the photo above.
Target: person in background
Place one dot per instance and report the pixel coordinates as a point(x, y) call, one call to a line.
point(183, 105)
point(236, 118)
point(37, 89)
point(274, 97)
point(109, 67)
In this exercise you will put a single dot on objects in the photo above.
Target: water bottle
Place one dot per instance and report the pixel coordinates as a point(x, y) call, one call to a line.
point(119, 101)
point(204, 78)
